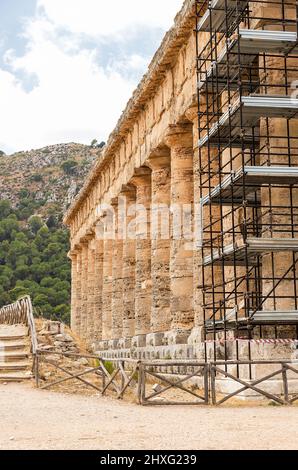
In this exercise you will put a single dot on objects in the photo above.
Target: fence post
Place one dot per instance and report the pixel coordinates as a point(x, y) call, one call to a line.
point(103, 378)
point(140, 371)
point(213, 384)
point(142, 384)
point(122, 375)
point(206, 383)
point(36, 369)
point(285, 383)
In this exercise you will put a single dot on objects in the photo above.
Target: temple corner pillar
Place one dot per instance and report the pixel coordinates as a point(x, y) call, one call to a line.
point(180, 141)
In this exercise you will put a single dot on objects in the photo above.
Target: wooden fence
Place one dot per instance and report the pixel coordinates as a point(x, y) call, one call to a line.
point(171, 382)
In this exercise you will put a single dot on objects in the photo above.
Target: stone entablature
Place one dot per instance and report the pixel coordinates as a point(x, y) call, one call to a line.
point(141, 291)
point(162, 98)
point(144, 293)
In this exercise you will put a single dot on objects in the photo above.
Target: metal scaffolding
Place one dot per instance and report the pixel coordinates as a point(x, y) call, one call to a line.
point(247, 64)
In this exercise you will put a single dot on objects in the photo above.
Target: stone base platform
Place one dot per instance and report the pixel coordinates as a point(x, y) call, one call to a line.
point(152, 347)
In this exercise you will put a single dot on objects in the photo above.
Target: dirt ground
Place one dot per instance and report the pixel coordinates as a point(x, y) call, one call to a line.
point(36, 419)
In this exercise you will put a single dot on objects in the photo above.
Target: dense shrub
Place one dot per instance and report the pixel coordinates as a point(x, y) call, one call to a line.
point(33, 260)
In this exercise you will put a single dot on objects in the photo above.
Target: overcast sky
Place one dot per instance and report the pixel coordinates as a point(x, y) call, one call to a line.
point(68, 67)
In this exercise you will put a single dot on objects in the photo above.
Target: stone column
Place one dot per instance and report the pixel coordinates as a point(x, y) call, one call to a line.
point(160, 165)
point(117, 295)
point(84, 290)
point(192, 115)
point(279, 138)
point(78, 286)
point(90, 290)
point(98, 285)
point(74, 279)
point(107, 283)
point(180, 141)
point(129, 262)
point(143, 283)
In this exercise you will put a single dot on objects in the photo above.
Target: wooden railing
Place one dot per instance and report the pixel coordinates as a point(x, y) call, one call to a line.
point(157, 383)
point(21, 312)
point(279, 370)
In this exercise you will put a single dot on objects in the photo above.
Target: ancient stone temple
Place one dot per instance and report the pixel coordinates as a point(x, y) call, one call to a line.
point(184, 236)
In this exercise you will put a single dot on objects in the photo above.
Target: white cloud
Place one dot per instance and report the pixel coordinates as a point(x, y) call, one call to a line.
point(77, 98)
point(98, 17)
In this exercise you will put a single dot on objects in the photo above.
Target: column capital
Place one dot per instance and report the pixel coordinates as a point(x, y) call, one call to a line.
point(156, 161)
point(77, 248)
point(192, 114)
point(128, 191)
point(179, 135)
point(72, 254)
point(114, 202)
point(87, 238)
point(142, 177)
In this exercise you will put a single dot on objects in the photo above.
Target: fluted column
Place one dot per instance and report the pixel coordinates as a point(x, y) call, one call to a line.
point(129, 263)
point(84, 290)
point(279, 139)
point(160, 243)
point(192, 115)
point(180, 141)
point(107, 283)
point(78, 286)
point(98, 286)
point(90, 290)
point(117, 287)
point(143, 283)
point(74, 277)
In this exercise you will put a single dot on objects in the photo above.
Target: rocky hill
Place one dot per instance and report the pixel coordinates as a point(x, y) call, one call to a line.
point(36, 188)
point(50, 177)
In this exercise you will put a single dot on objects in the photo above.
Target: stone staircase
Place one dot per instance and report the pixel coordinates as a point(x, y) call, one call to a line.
point(15, 357)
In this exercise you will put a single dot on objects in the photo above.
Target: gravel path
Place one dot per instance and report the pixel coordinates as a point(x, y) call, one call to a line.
point(35, 419)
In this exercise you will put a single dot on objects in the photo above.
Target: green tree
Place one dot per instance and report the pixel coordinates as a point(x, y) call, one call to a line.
point(35, 223)
point(69, 167)
point(33, 260)
point(5, 209)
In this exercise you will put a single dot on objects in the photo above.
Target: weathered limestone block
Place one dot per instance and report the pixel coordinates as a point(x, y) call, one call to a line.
point(143, 282)
point(192, 116)
point(280, 149)
point(107, 284)
point(90, 291)
point(117, 294)
point(78, 300)
point(160, 243)
point(180, 141)
point(74, 280)
point(129, 263)
point(98, 286)
point(84, 290)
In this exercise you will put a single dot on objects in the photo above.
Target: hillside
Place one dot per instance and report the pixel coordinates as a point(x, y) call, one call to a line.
point(50, 176)
point(36, 187)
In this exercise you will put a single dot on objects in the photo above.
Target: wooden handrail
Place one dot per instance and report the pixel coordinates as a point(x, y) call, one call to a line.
point(21, 312)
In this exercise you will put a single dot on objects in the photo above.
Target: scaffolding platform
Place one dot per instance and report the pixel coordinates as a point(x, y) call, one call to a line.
point(274, 317)
point(233, 125)
point(242, 253)
point(245, 182)
point(246, 62)
point(249, 43)
point(215, 15)
point(262, 317)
